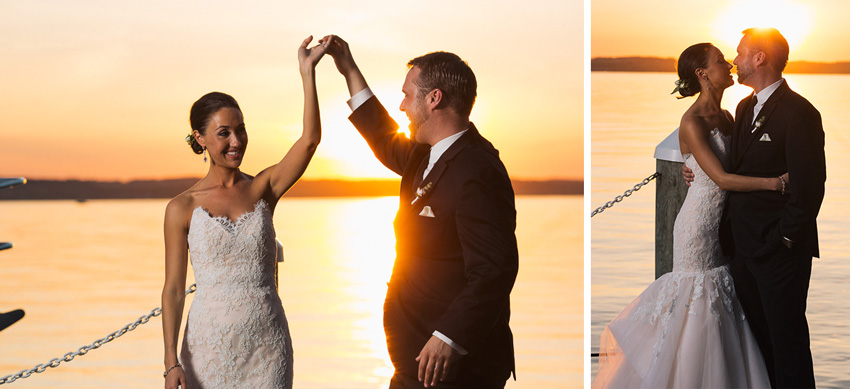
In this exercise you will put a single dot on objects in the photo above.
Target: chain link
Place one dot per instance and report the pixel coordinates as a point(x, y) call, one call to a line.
point(41, 367)
point(627, 193)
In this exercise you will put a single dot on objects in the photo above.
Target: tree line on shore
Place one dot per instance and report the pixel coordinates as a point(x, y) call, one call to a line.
point(36, 189)
point(658, 64)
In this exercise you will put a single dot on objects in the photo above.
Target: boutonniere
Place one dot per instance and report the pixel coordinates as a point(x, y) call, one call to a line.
point(421, 191)
point(757, 124)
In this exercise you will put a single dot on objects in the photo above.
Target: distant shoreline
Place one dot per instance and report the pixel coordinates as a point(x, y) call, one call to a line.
point(36, 189)
point(668, 65)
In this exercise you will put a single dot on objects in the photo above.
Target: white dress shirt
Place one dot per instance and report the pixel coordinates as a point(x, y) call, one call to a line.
point(763, 95)
point(437, 150)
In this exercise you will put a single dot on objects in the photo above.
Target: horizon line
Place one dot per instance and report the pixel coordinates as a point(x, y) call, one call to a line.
point(674, 58)
point(347, 179)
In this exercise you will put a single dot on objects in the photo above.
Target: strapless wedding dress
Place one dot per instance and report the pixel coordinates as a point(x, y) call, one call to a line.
point(687, 329)
point(236, 334)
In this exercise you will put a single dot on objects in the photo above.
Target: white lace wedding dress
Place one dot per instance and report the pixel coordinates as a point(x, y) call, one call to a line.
point(687, 329)
point(236, 334)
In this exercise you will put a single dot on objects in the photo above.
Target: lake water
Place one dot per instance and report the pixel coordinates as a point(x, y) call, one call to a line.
point(630, 114)
point(84, 270)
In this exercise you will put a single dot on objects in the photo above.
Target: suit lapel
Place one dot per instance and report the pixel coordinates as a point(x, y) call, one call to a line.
point(418, 158)
point(740, 115)
point(755, 130)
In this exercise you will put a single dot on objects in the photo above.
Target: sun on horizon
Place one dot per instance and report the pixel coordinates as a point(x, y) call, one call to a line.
point(794, 19)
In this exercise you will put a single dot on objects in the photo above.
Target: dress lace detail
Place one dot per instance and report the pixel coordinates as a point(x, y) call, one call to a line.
point(687, 329)
point(237, 335)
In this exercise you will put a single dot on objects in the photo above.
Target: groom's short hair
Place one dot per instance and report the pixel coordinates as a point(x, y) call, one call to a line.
point(772, 43)
point(451, 75)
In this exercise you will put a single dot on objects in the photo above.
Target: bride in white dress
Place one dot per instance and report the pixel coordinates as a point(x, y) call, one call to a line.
point(687, 329)
point(236, 333)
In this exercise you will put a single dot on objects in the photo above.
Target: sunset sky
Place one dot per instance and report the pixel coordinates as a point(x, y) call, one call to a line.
point(102, 90)
point(816, 30)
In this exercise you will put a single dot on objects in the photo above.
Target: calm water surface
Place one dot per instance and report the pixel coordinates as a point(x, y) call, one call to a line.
point(630, 114)
point(84, 270)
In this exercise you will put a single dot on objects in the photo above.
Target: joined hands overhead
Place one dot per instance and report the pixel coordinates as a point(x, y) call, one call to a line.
point(344, 61)
point(338, 49)
point(309, 57)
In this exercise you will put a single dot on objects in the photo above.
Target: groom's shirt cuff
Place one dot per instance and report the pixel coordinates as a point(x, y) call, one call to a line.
point(359, 98)
point(449, 342)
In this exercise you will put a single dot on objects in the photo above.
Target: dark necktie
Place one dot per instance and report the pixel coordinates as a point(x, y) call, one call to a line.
point(747, 127)
point(752, 108)
point(420, 171)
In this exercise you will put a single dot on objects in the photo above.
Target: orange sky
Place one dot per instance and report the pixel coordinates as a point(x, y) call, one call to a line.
point(98, 90)
point(816, 30)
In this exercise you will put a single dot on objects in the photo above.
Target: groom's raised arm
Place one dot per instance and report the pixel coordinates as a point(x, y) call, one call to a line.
point(344, 61)
point(369, 116)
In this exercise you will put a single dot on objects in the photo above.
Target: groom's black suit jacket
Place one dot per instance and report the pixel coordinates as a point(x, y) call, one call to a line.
point(454, 271)
point(755, 222)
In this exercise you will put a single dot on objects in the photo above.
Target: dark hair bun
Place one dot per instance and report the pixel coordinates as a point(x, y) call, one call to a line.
point(693, 58)
point(688, 89)
point(193, 143)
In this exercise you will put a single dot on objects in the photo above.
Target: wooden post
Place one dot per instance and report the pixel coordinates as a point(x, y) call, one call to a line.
point(670, 191)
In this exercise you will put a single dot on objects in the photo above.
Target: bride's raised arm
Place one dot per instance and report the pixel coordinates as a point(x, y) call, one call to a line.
point(695, 137)
point(284, 174)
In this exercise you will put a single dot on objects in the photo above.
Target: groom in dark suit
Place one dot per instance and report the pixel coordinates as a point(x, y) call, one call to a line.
point(447, 307)
point(772, 236)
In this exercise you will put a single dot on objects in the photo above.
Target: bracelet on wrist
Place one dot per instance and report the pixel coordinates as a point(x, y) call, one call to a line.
point(782, 191)
point(169, 369)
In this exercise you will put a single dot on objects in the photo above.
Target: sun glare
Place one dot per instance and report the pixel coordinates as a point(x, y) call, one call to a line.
point(792, 18)
point(342, 145)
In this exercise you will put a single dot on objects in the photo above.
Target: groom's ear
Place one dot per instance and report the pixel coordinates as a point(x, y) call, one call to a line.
point(759, 58)
point(433, 98)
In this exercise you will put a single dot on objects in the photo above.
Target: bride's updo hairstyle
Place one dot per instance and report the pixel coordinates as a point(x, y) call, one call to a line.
point(202, 110)
point(692, 58)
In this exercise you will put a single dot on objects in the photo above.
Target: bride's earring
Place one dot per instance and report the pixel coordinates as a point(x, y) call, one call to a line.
point(205, 155)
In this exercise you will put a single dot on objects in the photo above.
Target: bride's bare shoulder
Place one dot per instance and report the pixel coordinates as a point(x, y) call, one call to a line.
point(692, 122)
point(180, 208)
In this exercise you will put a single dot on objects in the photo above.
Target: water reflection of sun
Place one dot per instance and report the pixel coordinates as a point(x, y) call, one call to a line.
point(365, 232)
point(792, 18)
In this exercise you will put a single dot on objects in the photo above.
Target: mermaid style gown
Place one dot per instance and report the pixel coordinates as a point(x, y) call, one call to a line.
point(687, 329)
point(236, 334)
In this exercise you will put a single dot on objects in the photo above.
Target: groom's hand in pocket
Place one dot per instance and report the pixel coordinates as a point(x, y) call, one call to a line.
point(434, 361)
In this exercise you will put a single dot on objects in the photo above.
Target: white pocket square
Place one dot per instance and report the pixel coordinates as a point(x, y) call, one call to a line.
point(764, 138)
point(426, 211)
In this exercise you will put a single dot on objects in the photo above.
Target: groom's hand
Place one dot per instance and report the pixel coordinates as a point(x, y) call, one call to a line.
point(688, 174)
point(338, 49)
point(434, 361)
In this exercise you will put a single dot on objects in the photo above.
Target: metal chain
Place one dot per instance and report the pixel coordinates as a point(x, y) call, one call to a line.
point(624, 195)
point(41, 367)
